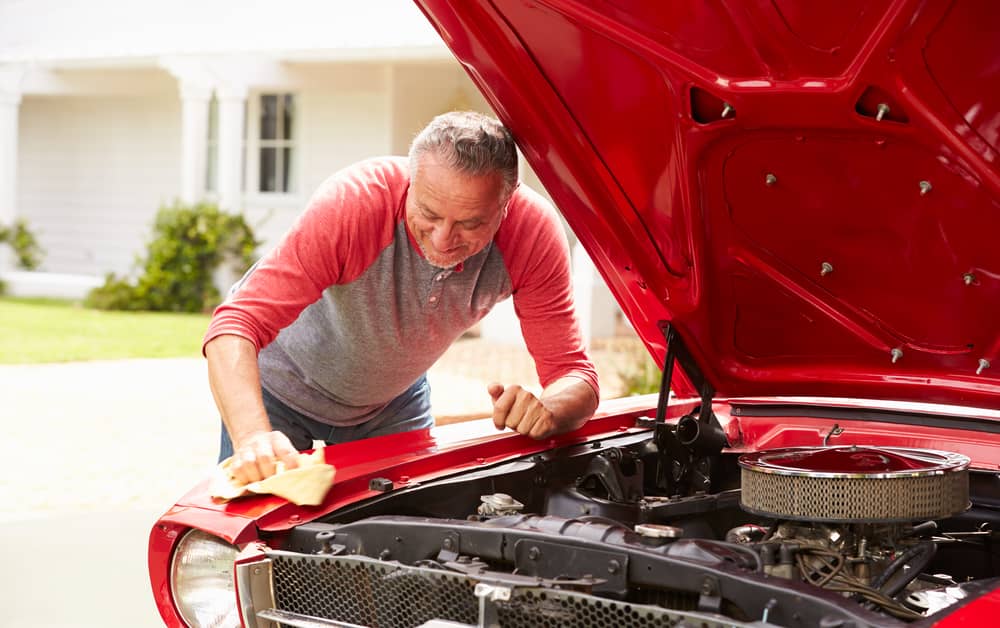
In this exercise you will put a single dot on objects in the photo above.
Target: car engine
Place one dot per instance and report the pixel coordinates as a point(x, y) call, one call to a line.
point(652, 527)
point(855, 520)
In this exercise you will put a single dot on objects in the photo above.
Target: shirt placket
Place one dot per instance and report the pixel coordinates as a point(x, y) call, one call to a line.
point(437, 287)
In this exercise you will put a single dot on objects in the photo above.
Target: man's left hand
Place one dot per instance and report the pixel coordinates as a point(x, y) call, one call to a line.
point(565, 405)
point(521, 411)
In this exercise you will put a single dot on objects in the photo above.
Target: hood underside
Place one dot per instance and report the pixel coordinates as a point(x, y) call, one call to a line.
point(807, 191)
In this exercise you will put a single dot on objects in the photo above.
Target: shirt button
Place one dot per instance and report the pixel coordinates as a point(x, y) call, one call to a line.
point(439, 278)
point(433, 299)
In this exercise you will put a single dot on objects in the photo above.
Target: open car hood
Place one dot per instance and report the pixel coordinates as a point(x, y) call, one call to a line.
point(807, 191)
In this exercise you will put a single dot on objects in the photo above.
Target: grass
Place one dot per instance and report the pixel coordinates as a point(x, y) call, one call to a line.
point(47, 330)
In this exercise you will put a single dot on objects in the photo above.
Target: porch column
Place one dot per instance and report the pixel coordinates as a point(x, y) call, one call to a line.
point(583, 291)
point(9, 103)
point(232, 104)
point(194, 128)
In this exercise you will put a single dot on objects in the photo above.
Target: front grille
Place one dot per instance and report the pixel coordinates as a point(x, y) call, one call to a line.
point(371, 593)
point(368, 592)
point(534, 608)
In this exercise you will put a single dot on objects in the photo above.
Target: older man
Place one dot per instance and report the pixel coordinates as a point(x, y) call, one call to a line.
point(330, 335)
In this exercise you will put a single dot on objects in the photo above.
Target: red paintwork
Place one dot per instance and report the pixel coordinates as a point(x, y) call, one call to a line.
point(982, 611)
point(617, 105)
point(403, 458)
point(162, 540)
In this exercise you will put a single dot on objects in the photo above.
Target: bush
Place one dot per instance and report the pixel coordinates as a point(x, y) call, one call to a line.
point(640, 375)
point(189, 243)
point(22, 240)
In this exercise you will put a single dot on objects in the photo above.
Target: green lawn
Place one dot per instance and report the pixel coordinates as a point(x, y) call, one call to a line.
point(42, 330)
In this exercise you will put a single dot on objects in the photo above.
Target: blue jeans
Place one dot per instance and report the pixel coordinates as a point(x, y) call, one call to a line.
point(409, 411)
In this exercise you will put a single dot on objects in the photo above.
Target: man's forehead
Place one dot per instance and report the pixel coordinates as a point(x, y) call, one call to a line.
point(455, 207)
point(436, 183)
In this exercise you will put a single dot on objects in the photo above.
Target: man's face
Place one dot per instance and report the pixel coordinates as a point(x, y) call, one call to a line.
point(452, 215)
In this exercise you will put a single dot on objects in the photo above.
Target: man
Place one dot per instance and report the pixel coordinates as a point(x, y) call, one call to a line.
point(392, 260)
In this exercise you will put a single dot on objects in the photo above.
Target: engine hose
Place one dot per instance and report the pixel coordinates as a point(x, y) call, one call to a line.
point(921, 554)
point(746, 550)
point(745, 534)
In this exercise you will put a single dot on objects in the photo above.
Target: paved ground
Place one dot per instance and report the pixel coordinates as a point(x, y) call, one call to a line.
point(95, 451)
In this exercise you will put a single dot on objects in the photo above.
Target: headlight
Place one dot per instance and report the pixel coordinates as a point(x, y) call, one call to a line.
point(201, 580)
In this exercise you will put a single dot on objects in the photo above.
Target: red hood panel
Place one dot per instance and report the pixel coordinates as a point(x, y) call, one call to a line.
point(809, 191)
point(404, 458)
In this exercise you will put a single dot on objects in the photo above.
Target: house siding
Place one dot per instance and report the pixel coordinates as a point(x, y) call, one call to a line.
point(92, 173)
point(422, 91)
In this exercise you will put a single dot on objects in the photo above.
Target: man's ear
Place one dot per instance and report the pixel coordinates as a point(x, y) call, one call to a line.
point(506, 207)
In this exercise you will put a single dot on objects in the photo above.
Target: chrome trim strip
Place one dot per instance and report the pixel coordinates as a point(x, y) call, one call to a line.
point(255, 586)
point(301, 621)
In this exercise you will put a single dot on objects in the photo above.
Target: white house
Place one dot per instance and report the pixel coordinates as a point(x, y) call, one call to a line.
point(111, 108)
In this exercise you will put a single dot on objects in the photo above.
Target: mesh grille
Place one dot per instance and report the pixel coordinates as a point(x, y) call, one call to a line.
point(855, 499)
point(534, 608)
point(372, 593)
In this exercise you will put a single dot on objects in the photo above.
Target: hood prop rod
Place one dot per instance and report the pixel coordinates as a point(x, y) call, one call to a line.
point(687, 451)
point(678, 351)
point(668, 371)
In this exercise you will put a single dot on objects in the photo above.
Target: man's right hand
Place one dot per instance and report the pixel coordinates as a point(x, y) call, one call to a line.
point(235, 381)
point(255, 456)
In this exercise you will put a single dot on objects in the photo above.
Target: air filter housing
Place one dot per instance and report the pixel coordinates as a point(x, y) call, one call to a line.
point(854, 484)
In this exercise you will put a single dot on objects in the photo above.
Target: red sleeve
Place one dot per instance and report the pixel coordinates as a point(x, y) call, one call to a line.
point(536, 253)
point(347, 223)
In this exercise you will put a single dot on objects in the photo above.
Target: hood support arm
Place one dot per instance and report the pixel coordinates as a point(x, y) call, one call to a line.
point(689, 450)
point(677, 351)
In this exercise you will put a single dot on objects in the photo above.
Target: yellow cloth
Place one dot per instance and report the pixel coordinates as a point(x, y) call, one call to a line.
point(306, 485)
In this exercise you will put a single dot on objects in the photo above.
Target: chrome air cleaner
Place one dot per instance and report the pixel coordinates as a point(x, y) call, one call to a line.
point(854, 484)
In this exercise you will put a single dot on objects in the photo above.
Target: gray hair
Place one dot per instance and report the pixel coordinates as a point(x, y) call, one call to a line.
point(470, 142)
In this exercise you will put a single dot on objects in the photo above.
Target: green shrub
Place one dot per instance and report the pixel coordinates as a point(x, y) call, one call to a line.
point(22, 240)
point(189, 243)
point(640, 375)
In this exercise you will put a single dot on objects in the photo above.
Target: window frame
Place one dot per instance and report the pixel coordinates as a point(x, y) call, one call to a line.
point(255, 144)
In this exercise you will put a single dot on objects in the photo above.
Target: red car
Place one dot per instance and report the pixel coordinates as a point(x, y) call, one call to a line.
point(797, 205)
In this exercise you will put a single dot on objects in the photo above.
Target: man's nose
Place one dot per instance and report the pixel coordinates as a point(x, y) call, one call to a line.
point(443, 236)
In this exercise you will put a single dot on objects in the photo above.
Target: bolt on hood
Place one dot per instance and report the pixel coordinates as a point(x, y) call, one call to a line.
point(808, 191)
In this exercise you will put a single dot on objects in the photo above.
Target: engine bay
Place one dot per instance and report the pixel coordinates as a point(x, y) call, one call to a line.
point(654, 522)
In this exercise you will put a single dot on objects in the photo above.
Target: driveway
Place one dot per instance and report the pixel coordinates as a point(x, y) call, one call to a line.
point(96, 451)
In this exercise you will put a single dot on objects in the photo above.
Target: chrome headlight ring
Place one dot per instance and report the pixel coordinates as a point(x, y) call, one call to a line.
point(201, 580)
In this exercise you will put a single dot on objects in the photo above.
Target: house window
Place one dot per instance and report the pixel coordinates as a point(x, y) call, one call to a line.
point(276, 144)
